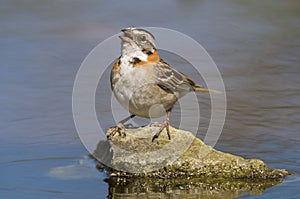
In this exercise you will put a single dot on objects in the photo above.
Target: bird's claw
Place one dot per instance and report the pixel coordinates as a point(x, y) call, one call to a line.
point(114, 130)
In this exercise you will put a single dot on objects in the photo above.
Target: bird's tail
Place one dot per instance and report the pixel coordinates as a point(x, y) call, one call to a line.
point(202, 89)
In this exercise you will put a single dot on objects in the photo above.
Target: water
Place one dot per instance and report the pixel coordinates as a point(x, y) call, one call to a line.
point(255, 44)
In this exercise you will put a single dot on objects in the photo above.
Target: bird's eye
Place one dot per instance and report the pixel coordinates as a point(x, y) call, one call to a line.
point(143, 38)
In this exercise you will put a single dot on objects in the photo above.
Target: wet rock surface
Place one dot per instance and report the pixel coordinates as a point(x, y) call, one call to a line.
point(184, 156)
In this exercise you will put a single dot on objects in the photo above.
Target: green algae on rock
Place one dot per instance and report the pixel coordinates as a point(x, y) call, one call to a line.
point(184, 155)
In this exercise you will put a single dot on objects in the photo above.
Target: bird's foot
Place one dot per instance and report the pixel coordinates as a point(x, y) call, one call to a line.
point(165, 125)
point(114, 130)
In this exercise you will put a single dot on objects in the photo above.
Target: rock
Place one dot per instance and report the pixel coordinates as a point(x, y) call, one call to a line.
point(186, 156)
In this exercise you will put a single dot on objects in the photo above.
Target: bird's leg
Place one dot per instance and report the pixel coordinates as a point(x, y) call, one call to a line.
point(165, 125)
point(118, 127)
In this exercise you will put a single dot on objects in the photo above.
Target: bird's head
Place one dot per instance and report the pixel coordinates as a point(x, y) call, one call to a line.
point(137, 41)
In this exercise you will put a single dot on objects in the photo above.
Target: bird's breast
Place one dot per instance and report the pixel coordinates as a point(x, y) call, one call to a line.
point(129, 80)
point(136, 90)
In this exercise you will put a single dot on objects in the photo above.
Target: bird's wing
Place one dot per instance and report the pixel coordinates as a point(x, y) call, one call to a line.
point(170, 79)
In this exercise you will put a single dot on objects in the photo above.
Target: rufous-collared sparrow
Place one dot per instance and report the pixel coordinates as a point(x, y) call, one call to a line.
point(143, 83)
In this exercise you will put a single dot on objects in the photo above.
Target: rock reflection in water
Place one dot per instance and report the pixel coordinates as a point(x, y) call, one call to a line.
point(184, 188)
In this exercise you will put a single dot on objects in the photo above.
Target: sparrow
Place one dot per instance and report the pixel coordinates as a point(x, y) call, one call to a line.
point(143, 83)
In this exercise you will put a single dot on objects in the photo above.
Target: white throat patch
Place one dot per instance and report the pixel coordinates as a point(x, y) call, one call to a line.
point(129, 52)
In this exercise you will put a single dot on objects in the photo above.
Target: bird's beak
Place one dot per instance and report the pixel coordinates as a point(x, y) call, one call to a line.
point(125, 39)
point(127, 36)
